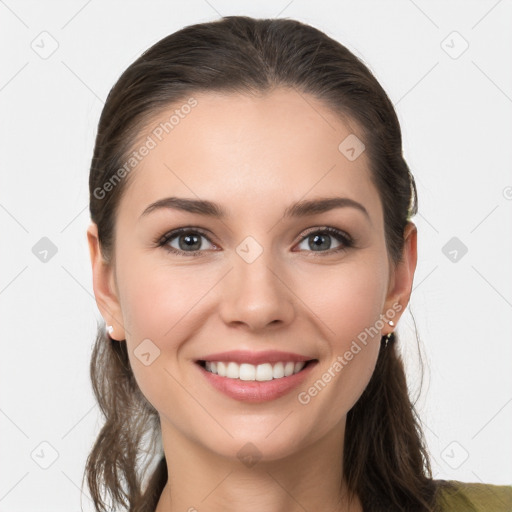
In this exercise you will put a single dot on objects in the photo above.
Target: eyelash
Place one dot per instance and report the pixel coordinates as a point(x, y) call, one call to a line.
point(346, 241)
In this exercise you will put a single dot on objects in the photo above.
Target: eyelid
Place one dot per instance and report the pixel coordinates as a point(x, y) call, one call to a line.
point(344, 238)
point(162, 241)
point(329, 230)
point(184, 229)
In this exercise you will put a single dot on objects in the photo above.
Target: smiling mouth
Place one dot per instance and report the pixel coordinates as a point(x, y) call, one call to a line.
point(250, 372)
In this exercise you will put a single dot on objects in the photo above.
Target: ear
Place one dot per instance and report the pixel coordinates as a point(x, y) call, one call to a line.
point(401, 279)
point(105, 289)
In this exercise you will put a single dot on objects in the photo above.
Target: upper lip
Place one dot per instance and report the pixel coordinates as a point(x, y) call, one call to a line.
point(246, 356)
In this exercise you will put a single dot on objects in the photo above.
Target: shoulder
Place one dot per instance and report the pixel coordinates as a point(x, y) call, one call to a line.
point(455, 496)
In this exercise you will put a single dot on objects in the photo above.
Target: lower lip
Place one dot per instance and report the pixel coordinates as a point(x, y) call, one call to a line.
point(256, 391)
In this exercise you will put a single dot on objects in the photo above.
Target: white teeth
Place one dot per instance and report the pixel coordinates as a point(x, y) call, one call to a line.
point(221, 369)
point(298, 366)
point(278, 371)
point(233, 371)
point(263, 371)
point(245, 372)
point(260, 372)
point(288, 368)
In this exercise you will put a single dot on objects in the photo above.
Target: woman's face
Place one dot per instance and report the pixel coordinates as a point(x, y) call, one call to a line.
point(265, 276)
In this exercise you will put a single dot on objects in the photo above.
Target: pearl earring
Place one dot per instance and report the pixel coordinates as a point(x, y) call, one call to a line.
point(109, 330)
point(388, 336)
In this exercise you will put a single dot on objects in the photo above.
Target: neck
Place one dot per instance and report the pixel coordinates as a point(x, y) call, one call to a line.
point(311, 479)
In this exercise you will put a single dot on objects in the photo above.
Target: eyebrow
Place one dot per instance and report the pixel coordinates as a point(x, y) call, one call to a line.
point(211, 209)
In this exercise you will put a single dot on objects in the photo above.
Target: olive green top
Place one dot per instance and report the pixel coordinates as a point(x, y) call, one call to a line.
point(474, 497)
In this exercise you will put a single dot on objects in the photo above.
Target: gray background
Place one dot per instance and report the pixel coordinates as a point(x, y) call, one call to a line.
point(58, 63)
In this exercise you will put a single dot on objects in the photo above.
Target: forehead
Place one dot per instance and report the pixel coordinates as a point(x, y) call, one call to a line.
point(247, 151)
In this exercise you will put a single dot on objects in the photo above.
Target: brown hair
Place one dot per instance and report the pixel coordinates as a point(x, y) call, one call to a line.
point(385, 459)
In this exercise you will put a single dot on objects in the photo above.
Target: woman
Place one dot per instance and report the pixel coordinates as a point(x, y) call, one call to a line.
point(252, 252)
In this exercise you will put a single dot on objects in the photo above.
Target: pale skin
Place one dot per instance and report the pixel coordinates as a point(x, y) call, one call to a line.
point(254, 156)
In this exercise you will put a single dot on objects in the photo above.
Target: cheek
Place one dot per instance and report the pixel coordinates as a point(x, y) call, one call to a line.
point(157, 298)
point(347, 299)
point(151, 309)
point(349, 302)
point(165, 305)
point(153, 301)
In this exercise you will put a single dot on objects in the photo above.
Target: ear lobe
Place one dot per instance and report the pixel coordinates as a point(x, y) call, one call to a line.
point(103, 285)
point(403, 273)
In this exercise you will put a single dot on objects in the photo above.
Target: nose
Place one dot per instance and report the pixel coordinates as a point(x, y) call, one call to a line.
point(257, 295)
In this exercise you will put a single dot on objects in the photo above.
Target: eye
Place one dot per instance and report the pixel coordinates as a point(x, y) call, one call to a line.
point(184, 241)
point(320, 240)
point(188, 241)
